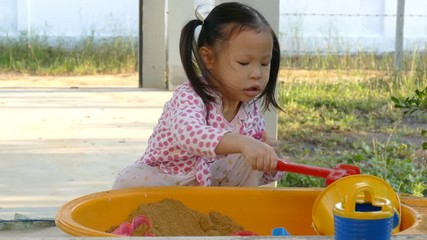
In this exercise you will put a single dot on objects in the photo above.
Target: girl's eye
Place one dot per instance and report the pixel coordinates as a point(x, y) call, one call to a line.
point(265, 64)
point(243, 63)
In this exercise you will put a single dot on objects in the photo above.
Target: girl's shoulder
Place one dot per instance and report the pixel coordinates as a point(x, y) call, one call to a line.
point(185, 90)
point(185, 87)
point(185, 94)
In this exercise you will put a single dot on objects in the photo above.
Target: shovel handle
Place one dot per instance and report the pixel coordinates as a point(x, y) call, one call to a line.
point(303, 169)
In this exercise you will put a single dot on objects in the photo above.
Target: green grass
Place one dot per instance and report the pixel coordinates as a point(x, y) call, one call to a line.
point(36, 55)
point(351, 119)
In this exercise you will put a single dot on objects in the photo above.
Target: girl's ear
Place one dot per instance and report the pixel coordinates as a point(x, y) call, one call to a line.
point(207, 57)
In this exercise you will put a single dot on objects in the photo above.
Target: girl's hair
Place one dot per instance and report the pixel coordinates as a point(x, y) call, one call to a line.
point(223, 22)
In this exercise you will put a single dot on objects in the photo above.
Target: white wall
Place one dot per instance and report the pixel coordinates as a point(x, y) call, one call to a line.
point(74, 18)
point(69, 17)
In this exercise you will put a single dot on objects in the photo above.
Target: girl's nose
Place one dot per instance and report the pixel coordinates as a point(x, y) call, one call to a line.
point(256, 72)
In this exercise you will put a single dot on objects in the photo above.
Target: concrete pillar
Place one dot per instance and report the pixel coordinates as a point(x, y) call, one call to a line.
point(154, 44)
point(271, 11)
point(179, 13)
point(398, 45)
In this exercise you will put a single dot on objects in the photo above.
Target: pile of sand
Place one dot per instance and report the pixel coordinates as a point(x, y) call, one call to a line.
point(172, 218)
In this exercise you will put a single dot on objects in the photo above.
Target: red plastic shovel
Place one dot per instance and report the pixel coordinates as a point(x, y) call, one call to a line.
point(330, 174)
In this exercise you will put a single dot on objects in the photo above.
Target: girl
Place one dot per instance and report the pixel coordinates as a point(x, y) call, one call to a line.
point(211, 132)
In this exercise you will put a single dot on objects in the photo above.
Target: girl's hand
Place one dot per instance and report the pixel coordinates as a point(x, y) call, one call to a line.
point(259, 154)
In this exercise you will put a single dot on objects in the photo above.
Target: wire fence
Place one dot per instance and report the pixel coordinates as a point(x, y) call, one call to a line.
point(333, 56)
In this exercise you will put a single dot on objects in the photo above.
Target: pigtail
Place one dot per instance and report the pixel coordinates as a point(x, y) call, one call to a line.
point(186, 49)
point(191, 62)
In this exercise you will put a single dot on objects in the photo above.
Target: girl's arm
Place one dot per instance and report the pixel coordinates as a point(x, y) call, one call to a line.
point(260, 155)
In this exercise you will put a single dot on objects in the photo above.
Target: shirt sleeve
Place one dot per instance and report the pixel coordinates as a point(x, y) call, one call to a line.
point(189, 126)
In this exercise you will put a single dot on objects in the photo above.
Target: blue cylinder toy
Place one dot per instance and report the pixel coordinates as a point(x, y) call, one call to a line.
point(364, 217)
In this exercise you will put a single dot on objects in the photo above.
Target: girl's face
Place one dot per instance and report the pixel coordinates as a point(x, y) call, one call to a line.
point(242, 67)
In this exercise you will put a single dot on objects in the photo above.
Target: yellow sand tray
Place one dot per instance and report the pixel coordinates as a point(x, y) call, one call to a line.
point(418, 206)
point(256, 209)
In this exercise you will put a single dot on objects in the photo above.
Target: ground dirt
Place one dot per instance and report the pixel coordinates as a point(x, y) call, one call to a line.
point(131, 79)
point(11, 80)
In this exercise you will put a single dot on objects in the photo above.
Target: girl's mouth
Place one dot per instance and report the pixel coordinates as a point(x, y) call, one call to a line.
point(252, 91)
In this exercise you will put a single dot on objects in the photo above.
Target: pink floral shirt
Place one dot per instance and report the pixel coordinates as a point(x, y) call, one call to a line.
point(184, 139)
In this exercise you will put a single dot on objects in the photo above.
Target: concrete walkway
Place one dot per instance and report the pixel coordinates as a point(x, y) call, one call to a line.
point(57, 144)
